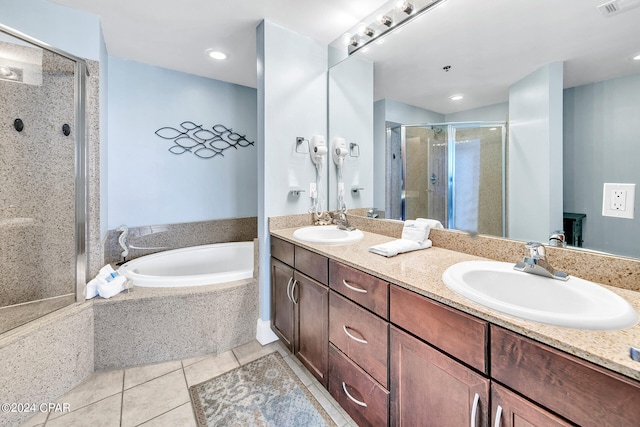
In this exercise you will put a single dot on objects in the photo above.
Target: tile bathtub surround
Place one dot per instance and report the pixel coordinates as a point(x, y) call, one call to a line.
point(157, 394)
point(46, 358)
point(150, 325)
point(156, 238)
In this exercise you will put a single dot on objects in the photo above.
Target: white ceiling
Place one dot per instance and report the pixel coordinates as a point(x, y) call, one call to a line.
point(490, 44)
point(175, 34)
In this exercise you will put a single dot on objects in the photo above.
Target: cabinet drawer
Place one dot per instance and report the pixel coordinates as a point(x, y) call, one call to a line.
point(458, 334)
point(313, 265)
point(359, 334)
point(575, 389)
point(360, 395)
point(368, 291)
point(282, 250)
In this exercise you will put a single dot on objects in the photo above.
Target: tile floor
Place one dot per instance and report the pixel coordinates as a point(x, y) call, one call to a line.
point(157, 395)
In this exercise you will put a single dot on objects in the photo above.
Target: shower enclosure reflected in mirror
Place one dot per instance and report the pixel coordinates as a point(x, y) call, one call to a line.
point(41, 169)
point(452, 172)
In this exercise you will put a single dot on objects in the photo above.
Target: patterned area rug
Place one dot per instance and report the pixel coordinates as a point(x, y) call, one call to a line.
point(265, 392)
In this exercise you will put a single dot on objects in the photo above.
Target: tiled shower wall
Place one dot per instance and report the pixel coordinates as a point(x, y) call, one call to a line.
point(149, 239)
point(37, 210)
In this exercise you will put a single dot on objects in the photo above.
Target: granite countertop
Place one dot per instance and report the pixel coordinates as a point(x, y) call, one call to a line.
point(421, 271)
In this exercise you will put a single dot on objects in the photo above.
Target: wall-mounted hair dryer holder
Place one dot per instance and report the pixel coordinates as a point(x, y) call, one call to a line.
point(317, 149)
point(339, 151)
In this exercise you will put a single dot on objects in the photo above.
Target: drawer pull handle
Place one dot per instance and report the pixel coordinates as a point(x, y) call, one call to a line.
point(360, 340)
point(293, 289)
point(356, 401)
point(498, 416)
point(289, 289)
point(474, 410)
point(353, 288)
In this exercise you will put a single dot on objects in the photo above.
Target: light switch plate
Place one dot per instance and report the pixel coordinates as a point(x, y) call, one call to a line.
point(618, 200)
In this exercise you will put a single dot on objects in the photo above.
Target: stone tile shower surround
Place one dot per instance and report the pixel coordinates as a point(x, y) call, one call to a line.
point(150, 239)
point(37, 214)
point(37, 226)
point(610, 270)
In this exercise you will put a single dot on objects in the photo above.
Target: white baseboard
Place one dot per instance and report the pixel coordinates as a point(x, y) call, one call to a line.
point(264, 334)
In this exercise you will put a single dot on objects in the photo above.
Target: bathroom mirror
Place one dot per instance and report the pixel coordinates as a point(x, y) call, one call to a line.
point(482, 49)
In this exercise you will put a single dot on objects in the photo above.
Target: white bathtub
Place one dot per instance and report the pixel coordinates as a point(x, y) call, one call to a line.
point(192, 266)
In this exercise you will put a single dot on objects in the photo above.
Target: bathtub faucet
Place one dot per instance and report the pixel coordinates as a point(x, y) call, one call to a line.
point(122, 239)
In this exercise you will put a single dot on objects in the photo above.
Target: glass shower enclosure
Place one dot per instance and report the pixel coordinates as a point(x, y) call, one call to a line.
point(452, 172)
point(42, 171)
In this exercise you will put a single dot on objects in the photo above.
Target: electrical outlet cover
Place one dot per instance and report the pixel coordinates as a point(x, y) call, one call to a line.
point(618, 200)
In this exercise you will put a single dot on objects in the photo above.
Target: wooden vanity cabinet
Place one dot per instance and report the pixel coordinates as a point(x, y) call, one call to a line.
point(515, 411)
point(428, 388)
point(359, 344)
point(300, 304)
point(282, 307)
point(439, 377)
point(579, 391)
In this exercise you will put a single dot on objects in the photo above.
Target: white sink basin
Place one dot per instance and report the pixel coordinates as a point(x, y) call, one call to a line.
point(576, 303)
point(327, 234)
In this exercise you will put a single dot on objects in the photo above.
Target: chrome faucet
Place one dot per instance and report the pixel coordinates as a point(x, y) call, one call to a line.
point(536, 263)
point(341, 220)
point(558, 238)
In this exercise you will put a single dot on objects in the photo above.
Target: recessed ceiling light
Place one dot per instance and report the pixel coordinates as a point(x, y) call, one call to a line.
point(456, 97)
point(493, 128)
point(637, 57)
point(215, 54)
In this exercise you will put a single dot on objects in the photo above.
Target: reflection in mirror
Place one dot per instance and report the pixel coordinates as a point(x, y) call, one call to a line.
point(451, 172)
point(564, 84)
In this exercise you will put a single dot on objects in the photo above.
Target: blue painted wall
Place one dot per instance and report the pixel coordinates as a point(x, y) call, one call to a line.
point(149, 185)
point(601, 144)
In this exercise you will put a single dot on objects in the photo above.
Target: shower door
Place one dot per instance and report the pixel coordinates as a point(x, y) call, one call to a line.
point(425, 178)
point(38, 174)
point(452, 172)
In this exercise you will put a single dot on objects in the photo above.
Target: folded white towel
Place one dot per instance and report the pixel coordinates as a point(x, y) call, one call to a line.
point(92, 288)
point(417, 231)
point(397, 246)
point(432, 223)
point(112, 287)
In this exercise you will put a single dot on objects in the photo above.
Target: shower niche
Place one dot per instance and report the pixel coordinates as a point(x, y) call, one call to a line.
point(42, 203)
point(453, 172)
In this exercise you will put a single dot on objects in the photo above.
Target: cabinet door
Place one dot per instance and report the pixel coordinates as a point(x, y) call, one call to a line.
point(429, 388)
point(282, 313)
point(515, 411)
point(312, 312)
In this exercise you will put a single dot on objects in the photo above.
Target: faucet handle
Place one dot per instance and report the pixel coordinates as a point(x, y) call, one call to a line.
point(536, 250)
point(558, 238)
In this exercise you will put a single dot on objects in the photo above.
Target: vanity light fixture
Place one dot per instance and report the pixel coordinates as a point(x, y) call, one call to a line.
point(385, 20)
point(405, 6)
point(366, 31)
point(457, 97)
point(216, 54)
point(391, 16)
